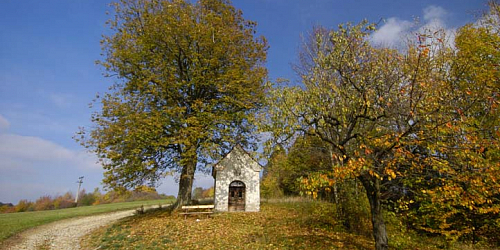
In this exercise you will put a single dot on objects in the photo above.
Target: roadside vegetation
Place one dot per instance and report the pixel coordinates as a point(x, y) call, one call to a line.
point(67, 200)
point(13, 223)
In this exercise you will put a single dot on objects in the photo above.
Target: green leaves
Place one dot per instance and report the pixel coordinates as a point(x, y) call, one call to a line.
point(189, 77)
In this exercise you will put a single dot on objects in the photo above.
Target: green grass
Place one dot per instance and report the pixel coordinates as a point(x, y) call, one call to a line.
point(13, 223)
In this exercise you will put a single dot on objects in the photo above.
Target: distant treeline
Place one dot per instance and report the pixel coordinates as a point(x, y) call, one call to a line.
point(202, 193)
point(67, 200)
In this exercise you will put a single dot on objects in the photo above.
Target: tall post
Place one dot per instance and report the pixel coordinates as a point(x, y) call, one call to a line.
point(80, 181)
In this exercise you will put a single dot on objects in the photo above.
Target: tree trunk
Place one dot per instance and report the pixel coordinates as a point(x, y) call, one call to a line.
point(185, 184)
point(372, 187)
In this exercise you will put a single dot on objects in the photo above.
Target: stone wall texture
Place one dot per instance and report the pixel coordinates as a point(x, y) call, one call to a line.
point(237, 166)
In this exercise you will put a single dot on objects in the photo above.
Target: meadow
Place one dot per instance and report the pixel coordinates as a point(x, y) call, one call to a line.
point(279, 225)
point(12, 223)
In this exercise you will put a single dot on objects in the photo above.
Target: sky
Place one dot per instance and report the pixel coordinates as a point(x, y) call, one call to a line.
point(48, 74)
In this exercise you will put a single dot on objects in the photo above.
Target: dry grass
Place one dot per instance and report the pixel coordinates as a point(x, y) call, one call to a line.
point(283, 225)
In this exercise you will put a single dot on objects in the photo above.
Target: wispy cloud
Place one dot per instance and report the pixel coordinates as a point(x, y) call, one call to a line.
point(61, 100)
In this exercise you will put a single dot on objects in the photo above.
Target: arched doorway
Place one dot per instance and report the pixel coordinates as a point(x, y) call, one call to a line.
point(236, 196)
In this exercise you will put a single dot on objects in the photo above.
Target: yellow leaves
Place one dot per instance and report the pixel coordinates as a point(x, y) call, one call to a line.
point(331, 182)
point(375, 174)
point(315, 195)
point(391, 174)
point(297, 225)
point(158, 106)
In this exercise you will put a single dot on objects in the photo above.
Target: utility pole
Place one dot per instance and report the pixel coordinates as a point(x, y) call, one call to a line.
point(80, 181)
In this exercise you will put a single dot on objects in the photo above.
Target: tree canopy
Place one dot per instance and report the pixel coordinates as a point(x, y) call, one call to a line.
point(188, 78)
point(399, 118)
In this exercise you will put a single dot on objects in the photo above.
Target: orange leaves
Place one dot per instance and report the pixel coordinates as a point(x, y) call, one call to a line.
point(425, 51)
point(366, 150)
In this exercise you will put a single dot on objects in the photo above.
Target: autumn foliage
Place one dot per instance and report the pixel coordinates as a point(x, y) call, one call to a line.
point(96, 197)
point(418, 128)
point(188, 78)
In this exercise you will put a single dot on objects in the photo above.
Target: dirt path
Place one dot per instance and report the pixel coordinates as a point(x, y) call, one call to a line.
point(63, 234)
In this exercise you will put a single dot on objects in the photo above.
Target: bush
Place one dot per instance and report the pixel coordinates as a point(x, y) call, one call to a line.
point(44, 203)
point(86, 199)
point(24, 206)
point(353, 209)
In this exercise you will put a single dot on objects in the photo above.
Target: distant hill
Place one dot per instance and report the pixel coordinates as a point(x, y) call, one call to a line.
point(6, 204)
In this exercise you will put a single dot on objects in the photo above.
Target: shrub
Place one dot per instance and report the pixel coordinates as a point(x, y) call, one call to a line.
point(24, 205)
point(44, 203)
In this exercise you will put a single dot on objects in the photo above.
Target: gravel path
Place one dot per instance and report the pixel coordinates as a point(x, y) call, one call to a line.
point(64, 234)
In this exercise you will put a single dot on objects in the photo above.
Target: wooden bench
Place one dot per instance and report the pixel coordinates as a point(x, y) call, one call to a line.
point(198, 209)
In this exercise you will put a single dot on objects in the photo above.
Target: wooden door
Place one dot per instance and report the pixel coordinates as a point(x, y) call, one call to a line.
point(236, 196)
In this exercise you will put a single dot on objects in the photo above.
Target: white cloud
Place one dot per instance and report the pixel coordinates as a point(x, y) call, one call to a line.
point(392, 33)
point(4, 123)
point(170, 184)
point(434, 17)
point(434, 13)
point(32, 148)
point(27, 161)
point(27, 150)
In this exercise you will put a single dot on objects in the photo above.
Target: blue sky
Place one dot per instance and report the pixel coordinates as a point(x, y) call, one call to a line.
point(48, 75)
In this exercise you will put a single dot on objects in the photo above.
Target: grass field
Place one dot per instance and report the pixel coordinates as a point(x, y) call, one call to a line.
point(279, 225)
point(13, 223)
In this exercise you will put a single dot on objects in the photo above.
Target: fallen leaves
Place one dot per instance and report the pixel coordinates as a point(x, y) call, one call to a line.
point(278, 226)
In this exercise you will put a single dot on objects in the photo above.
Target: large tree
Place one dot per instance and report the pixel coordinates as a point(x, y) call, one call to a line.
point(462, 201)
point(188, 78)
point(371, 105)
